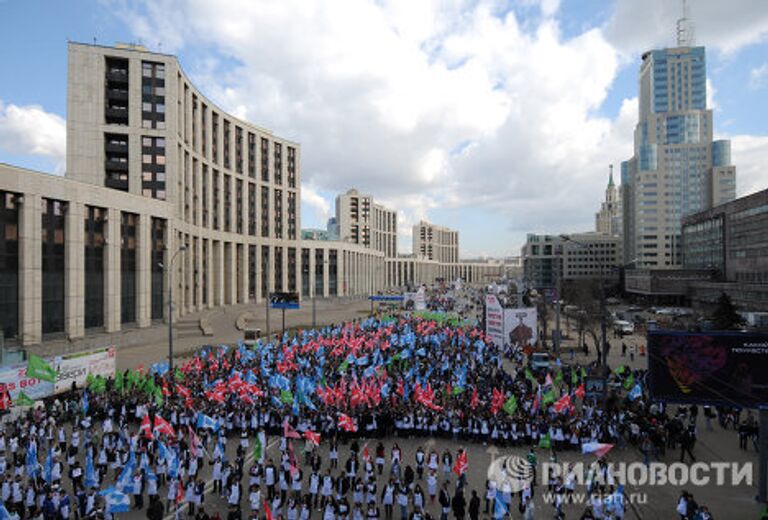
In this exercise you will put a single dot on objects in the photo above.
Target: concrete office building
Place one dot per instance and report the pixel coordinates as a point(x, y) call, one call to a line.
point(586, 256)
point(677, 169)
point(435, 242)
point(361, 221)
point(153, 165)
point(608, 219)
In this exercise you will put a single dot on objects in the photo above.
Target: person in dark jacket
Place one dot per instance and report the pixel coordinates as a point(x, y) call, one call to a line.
point(155, 511)
point(474, 506)
point(459, 505)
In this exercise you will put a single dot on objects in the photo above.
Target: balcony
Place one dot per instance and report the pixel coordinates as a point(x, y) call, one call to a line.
point(118, 115)
point(117, 94)
point(112, 165)
point(116, 147)
point(116, 183)
point(117, 75)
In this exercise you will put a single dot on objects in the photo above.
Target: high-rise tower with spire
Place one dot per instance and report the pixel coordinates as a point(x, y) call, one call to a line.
point(608, 219)
point(677, 169)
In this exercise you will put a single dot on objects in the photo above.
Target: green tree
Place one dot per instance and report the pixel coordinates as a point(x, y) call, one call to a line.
point(725, 316)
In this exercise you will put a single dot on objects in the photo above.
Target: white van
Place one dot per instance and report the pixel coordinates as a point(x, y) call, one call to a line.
point(623, 327)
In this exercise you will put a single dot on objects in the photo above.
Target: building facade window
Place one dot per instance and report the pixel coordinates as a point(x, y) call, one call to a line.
point(264, 211)
point(278, 269)
point(305, 272)
point(238, 149)
point(333, 272)
point(95, 223)
point(215, 137)
point(291, 269)
point(227, 203)
point(216, 200)
point(153, 167)
point(291, 215)
point(264, 159)
point(116, 91)
point(252, 209)
point(116, 161)
point(278, 213)
point(225, 144)
point(251, 155)
point(128, 225)
point(204, 188)
point(152, 95)
point(239, 206)
point(265, 271)
point(158, 259)
point(278, 166)
point(252, 273)
point(9, 264)
point(291, 167)
point(204, 274)
point(53, 263)
point(319, 278)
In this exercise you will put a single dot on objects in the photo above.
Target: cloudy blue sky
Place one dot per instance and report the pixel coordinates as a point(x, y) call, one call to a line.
point(496, 118)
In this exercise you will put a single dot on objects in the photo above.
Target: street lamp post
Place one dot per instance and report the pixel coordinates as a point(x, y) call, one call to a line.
point(169, 273)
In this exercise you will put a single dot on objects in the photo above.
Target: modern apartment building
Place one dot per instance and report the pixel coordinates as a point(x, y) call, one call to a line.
point(608, 219)
point(361, 221)
point(435, 242)
point(582, 256)
point(677, 169)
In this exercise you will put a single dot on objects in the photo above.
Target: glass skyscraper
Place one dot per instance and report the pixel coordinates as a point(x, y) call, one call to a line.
point(677, 169)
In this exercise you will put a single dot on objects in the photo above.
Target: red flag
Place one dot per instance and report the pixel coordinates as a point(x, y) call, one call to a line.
point(163, 426)
point(562, 404)
point(580, 392)
point(166, 391)
point(180, 492)
point(146, 427)
point(346, 423)
point(461, 464)
point(183, 391)
point(194, 442)
point(289, 432)
point(366, 453)
point(497, 401)
point(267, 509)
point(5, 401)
point(312, 437)
point(474, 401)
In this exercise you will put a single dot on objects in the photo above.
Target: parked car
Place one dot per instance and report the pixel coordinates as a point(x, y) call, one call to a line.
point(540, 361)
point(623, 327)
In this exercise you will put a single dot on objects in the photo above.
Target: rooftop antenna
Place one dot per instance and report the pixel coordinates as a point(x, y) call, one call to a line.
point(685, 33)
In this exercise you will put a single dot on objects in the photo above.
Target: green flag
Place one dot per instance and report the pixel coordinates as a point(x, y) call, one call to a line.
point(574, 378)
point(24, 400)
point(559, 378)
point(37, 368)
point(257, 449)
point(457, 390)
point(548, 397)
point(286, 397)
point(344, 365)
point(629, 382)
point(529, 375)
point(583, 372)
point(619, 370)
point(545, 443)
point(511, 405)
point(159, 399)
point(119, 383)
point(178, 375)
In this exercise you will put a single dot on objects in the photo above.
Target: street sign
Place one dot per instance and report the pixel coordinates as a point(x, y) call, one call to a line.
point(386, 298)
point(284, 300)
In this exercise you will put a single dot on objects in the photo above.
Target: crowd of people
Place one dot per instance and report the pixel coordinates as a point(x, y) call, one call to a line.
point(322, 400)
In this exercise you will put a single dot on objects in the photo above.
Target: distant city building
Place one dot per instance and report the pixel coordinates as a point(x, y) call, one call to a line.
point(435, 242)
point(608, 219)
point(315, 234)
point(584, 256)
point(677, 169)
point(724, 250)
point(333, 228)
point(363, 222)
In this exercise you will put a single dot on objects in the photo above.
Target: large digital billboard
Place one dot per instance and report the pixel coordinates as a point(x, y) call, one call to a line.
point(729, 368)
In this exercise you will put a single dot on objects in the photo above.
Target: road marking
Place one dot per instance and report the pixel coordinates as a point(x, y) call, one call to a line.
point(209, 485)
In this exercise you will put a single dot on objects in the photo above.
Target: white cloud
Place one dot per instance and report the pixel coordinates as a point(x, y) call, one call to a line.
point(758, 77)
point(30, 130)
point(639, 25)
point(750, 155)
point(321, 208)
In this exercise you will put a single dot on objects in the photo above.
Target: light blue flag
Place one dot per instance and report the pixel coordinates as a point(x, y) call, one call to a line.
point(85, 401)
point(500, 509)
point(90, 472)
point(206, 422)
point(48, 469)
point(117, 501)
point(32, 460)
point(635, 393)
point(4, 514)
